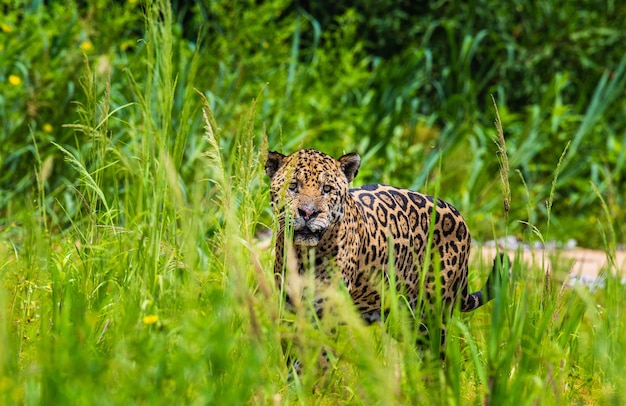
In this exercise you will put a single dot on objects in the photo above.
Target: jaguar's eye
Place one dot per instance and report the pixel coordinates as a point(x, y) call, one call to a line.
point(327, 188)
point(293, 186)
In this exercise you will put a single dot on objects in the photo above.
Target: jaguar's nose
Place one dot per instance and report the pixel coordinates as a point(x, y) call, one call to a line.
point(307, 212)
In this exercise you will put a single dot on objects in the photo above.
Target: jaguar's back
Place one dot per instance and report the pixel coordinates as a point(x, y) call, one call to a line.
point(400, 218)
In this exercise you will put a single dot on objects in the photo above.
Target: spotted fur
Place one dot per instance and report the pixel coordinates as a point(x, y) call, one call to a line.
point(353, 230)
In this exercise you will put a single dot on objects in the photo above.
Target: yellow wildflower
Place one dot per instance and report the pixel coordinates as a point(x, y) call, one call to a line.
point(6, 27)
point(86, 46)
point(47, 128)
point(15, 80)
point(151, 319)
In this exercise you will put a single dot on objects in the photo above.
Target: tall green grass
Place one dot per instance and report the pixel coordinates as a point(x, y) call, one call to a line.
point(157, 290)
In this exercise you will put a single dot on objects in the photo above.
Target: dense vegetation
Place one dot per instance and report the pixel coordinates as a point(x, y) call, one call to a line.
point(132, 192)
point(409, 85)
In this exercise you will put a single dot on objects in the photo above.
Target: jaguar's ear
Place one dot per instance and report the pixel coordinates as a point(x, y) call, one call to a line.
point(273, 162)
point(350, 165)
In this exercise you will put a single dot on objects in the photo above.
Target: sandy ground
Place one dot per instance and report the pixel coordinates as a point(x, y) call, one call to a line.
point(583, 263)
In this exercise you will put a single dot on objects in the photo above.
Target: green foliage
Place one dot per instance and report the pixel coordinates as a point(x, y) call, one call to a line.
point(397, 82)
point(41, 59)
point(132, 191)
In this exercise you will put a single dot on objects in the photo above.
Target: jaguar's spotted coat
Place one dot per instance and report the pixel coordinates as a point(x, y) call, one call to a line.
point(352, 230)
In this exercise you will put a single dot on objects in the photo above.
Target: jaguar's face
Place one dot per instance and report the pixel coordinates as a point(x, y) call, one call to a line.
point(308, 191)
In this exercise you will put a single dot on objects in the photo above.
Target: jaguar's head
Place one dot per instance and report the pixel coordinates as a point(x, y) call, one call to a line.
point(308, 191)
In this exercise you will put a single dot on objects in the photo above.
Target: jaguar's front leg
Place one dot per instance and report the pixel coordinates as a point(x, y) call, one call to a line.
point(295, 364)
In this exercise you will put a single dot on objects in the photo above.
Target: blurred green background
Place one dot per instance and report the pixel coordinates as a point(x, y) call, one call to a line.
point(407, 84)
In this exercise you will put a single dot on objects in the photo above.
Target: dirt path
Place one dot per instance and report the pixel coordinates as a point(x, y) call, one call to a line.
point(584, 264)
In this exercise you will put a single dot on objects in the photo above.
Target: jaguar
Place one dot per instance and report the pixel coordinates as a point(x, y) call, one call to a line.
point(368, 232)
